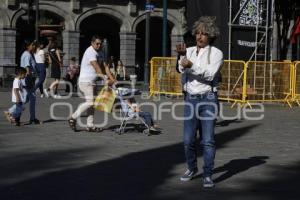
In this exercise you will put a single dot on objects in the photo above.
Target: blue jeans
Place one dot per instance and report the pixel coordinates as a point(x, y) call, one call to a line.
point(41, 71)
point(200, 109)
point(32, 99)
point(16, 110)
point(147, 118)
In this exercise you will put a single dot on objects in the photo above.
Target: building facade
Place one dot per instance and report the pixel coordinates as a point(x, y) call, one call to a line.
point(120, 22)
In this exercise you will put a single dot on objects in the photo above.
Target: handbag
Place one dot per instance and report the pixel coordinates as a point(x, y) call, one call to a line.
point(105, 99)
point(29, 81)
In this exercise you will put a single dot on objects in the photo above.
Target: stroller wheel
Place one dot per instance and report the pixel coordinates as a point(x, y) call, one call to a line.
point(146, 132)
point(119, 131)
point(141, 128)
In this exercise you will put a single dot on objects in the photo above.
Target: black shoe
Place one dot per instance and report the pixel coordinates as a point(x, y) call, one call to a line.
point(72, 123)
point(35, 121)
point(94, 129)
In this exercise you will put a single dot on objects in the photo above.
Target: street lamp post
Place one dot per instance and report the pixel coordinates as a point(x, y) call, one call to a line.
point(28, 11)
point(164, 36)
point(147, 38)
point(36, 20)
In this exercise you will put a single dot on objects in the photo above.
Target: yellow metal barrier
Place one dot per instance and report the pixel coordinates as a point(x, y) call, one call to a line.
point(297, 82)
point(164, 78)
point(231, 86)
point(269, 82)
point(241, 82)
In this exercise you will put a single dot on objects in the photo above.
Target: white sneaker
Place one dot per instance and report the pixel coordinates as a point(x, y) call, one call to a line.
point(57, 96)
point(42, 95)
point(154, 129)
point(46, 93)
point(208, 182)
point(188, 175)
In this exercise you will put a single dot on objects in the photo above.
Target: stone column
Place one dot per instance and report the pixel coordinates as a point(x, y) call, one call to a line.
point(11, 3)
point(175, 39)
point(127, 48)
point(75, 5)
point(7, 52)
point(71, 42)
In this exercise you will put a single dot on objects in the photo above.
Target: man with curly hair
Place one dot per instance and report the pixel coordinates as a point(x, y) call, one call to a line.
point(200, 64)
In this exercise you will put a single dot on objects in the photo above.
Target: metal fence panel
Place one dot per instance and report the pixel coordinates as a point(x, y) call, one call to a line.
point(297, 82)
point(269, 81)
point(164, 79)
point(231, 85)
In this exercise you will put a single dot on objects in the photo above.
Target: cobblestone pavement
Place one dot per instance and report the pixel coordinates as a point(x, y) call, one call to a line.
point(256, 159)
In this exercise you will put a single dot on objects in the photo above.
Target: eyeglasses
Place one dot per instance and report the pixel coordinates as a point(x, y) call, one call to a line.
point(98, 43)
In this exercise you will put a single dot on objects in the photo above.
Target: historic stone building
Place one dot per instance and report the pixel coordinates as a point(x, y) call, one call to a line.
point(120, 22)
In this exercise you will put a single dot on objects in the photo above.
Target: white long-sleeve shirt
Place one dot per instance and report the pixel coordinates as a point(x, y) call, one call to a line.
point(203, 70)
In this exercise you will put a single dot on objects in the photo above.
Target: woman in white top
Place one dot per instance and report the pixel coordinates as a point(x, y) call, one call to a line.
point(121, 73)
point(39, 56)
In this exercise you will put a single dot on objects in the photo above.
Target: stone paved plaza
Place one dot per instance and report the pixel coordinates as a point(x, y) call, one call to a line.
point(255, 159)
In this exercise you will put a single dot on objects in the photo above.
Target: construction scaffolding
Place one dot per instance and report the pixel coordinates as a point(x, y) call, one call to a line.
point(254, 18)
point(257, 17)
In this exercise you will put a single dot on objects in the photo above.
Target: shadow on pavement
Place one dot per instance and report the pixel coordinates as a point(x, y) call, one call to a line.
point(137, 175)
point(227, 122)
point(238, 165)
point(52, 120)
point(281, 182)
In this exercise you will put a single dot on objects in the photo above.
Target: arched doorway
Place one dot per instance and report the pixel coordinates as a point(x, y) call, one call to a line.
point(26, 29)
point(104, 26)
point(155, 48)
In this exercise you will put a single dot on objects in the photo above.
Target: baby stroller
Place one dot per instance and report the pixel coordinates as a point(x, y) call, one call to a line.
point(126, 115)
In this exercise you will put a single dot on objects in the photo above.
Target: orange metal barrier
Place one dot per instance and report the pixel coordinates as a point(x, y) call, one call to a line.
point(164, 78)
